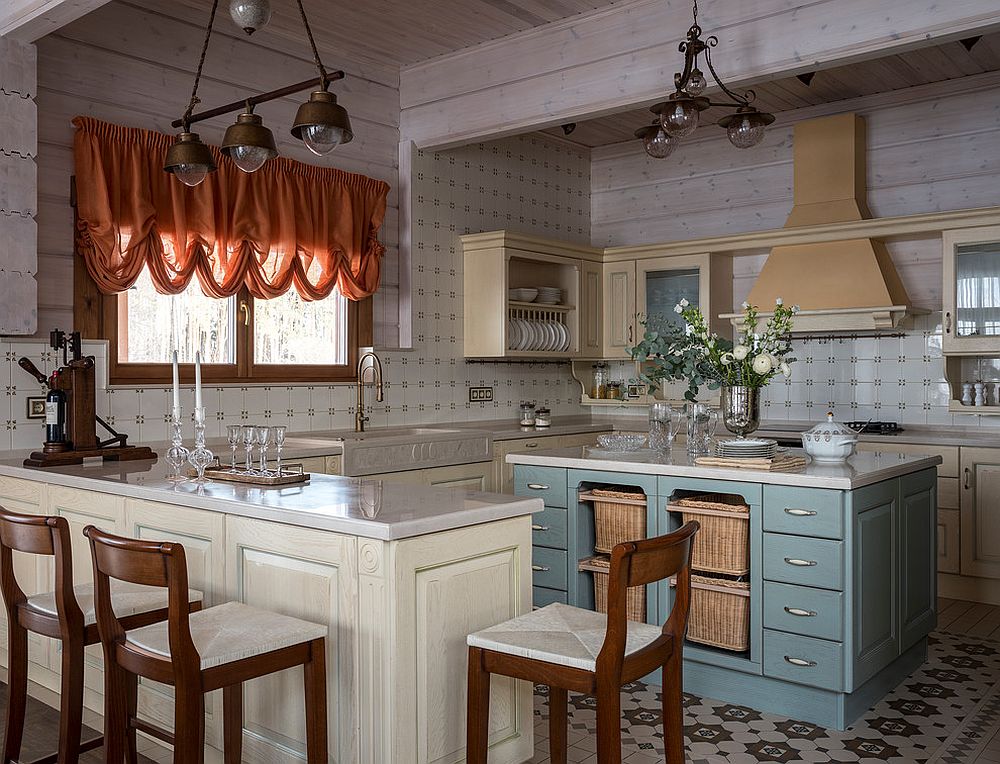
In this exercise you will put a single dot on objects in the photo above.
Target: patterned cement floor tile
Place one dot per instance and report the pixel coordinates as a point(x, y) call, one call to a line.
point(940, 713)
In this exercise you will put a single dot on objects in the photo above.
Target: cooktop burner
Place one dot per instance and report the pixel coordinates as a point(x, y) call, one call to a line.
point(877, 428)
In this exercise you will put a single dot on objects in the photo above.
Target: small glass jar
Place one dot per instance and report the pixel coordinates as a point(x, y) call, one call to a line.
point(527, 415)
point(614, 391)
point(543, 417)
point(599, 387)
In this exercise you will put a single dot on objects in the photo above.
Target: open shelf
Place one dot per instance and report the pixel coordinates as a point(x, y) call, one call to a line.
point(540, 306)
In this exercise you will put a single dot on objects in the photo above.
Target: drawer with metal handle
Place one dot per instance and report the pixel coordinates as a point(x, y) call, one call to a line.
point(817, 512)
point(546, 483)
point(804, 561)
point(548, 528)
point(804, 610)
point(804, 660)
point(548, 567)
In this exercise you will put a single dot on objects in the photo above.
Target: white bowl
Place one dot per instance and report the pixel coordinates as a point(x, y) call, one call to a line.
point(833, 450)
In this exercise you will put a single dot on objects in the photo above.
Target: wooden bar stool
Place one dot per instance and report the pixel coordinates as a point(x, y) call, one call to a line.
point(66, 614)
point(569, 648)
point(216, 648)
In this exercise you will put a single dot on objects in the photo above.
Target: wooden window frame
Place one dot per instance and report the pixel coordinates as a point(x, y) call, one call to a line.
point(97, 316)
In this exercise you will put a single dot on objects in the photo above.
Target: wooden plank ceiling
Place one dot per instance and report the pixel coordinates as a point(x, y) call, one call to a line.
point(391, 32)
point(917, 67)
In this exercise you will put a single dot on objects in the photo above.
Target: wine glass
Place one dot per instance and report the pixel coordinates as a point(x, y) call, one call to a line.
point(234, 432)
point(278, 431)
point(263, 440)
point(249, 439)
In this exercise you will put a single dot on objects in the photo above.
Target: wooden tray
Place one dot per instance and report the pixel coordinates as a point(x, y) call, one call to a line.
point(219, 472)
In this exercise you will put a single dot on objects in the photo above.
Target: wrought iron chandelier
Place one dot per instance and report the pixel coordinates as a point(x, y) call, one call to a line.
point(321, 123)
point(678, 116)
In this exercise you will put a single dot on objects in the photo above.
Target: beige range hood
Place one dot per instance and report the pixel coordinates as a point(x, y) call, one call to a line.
point(848, 285)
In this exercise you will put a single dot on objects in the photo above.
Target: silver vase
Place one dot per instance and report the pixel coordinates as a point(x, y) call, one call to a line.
point(741, 409)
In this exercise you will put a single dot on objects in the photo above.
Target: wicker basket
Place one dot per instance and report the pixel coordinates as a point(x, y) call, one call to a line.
point(618, 516)
point(722, 545)
point(720, 613)
point(600, 567)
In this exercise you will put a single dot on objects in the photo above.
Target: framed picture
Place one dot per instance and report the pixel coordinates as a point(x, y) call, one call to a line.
point(36, 408)
point(634, 391)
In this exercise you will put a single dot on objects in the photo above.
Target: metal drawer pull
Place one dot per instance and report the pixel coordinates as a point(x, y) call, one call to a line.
point(800, 662)
point(800, 612)
point(539, 527)
point(801, 563)
point(540, 568)
point(531, 445)
point(538, 486)
point(800, 512)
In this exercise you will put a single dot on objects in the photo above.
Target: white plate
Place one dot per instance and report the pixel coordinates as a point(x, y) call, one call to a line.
point(563, 338)
point(513, 334)
point(550, 328)
point(533, 336)
point(522, 329)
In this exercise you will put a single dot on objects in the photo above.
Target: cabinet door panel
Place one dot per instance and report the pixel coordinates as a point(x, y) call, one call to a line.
point(917, 552)
point(875, 588)
point(619, 308)
point(477, 477)
point(949, 541)
point(980, 518)
point(310, 575)
point(591, 304)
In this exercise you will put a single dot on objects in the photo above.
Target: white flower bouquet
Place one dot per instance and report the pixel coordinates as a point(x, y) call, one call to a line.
point(671, 351)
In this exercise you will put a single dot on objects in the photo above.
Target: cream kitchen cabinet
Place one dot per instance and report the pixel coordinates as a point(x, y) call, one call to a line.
point(635, 289)
point(980, 512)
point(971, 319)
point(478, 476)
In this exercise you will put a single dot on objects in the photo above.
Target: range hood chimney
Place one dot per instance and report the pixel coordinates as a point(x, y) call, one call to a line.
point(848, 285)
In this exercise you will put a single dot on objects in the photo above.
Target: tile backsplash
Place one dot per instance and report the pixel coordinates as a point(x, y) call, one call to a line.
point(526, 184)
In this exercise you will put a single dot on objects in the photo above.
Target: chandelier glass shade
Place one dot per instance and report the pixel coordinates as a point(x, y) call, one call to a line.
point(679, 115)
point(658, 142)
point(321, 123)
point(248, 143)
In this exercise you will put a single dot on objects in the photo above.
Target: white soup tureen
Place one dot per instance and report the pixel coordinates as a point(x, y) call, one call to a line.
point(829, 441)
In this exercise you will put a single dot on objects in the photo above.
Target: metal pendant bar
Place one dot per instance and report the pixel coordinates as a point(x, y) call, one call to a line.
point(272, 95)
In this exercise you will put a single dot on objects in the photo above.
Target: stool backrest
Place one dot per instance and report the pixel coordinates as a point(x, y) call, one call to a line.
point(636, 563)
point(44, 535)
point(149, 563)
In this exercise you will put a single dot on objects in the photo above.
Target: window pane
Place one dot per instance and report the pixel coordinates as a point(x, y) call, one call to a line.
point(290, 330)
point(157, 324)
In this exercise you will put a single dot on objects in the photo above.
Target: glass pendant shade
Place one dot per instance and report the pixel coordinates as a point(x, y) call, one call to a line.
point(322, 124)
point(657, 142)
point(250, 15)
point(696, 83)
point(746, 128)
point(679, 115)
point(248, 143)
point(189, 160)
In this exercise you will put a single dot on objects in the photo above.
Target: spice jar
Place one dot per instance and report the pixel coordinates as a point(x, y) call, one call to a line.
point(614, 391)
point(527, 415)
point(599, 388)
point(543, 417)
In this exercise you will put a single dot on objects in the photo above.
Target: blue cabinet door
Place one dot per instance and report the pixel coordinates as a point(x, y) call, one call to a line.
point(917, 557)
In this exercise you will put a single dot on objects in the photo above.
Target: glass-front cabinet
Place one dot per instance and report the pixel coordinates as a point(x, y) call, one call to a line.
point(642, 290)
point(971, 291)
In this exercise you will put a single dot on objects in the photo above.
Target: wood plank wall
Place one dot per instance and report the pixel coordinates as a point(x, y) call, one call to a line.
point(127, 64)
point(931, 148)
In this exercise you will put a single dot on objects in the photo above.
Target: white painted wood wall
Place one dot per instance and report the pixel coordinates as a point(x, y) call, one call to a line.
point(132, 66)
point(18, 202)
point(930, 148)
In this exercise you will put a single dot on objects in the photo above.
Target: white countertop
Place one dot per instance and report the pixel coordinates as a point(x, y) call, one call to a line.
point(860, 470)
point(354, 506)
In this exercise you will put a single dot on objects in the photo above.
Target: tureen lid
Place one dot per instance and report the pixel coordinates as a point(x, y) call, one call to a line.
point(830, 429)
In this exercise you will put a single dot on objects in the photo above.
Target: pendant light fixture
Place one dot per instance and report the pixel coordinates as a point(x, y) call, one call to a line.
point(321, 123)
point(250, 15)
point(679, 115)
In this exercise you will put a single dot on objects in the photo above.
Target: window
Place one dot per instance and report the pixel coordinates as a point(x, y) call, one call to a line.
point(286, 339)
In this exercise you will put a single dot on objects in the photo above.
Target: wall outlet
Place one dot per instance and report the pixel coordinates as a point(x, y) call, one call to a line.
point(480, 394)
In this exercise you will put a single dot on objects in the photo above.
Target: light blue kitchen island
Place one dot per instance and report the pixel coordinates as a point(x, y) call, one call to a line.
point(842, 569)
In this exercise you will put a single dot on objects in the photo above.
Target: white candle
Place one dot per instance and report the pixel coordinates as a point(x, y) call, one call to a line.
point(176, 410)
point(197, 381)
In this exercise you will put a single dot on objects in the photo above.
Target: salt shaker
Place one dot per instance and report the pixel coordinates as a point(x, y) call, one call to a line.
point(966, 393)
point(980, 389)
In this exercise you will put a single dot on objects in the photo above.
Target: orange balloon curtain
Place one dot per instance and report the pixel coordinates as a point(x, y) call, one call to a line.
point(287, 225)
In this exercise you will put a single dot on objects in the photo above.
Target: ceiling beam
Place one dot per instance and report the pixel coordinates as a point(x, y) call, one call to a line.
point(29, 20)
point(624, 56)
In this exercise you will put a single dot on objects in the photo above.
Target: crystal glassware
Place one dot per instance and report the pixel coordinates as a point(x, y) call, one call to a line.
point(176, 455)
point(234, 432)
point(701, 423)
point(249, 439)
point(664, 422)
point(263, 440)
point(278, 431)
point(201, 457)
